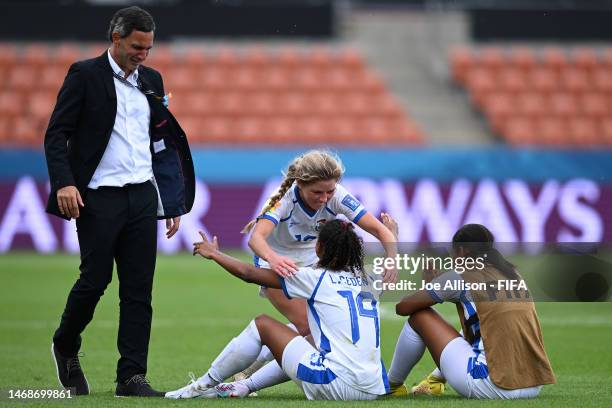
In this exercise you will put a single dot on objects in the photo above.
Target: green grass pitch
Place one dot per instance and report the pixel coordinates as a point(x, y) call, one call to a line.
point(198, 309)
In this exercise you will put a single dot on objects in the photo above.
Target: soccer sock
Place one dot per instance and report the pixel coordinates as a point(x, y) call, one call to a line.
point(269, 375)
point(408, 351)
point(438, 374)
point(239, 353)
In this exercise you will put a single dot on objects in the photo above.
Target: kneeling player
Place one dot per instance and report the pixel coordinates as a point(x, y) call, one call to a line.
point(343, 319)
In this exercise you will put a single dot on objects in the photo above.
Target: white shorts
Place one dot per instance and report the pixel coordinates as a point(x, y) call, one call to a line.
point(454, 363)
point(300, 354)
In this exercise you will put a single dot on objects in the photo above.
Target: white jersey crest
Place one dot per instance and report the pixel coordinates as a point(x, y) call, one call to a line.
point(297, 228)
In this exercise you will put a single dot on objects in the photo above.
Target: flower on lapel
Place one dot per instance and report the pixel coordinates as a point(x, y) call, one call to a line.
point(166, 99)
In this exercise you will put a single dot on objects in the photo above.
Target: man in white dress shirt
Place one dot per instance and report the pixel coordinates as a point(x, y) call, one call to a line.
point(118, 160)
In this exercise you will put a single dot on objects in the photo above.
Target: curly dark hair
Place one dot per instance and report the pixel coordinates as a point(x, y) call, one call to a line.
point(341, 248)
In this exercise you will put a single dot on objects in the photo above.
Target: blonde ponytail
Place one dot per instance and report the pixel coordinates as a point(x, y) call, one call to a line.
point(313, 166)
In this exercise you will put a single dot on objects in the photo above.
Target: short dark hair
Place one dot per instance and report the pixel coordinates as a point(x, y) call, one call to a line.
point(341, 246)
point(129, 19)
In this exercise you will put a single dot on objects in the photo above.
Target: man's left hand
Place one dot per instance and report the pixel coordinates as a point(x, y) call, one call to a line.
point(172, 225)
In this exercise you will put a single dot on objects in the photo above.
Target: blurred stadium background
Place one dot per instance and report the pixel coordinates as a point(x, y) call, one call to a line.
point(444, 112)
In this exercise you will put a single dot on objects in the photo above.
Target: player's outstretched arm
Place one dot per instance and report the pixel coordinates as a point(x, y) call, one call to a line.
point(236, 267)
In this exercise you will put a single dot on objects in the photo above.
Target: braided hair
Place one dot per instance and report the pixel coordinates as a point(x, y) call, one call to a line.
point(477, 240)
point(312, 166)
point(340, 248)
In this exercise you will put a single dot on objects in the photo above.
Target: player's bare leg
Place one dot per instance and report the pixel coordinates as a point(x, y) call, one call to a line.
point(295, 310)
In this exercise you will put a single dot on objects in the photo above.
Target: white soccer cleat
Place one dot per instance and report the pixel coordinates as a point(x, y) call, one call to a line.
point(228, 390)
point(192, 390)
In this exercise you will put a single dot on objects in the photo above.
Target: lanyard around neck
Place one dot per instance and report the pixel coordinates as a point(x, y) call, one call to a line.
point(128, 83)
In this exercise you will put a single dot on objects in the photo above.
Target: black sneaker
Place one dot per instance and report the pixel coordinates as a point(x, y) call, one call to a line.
point(137, 386)
point(69, 372)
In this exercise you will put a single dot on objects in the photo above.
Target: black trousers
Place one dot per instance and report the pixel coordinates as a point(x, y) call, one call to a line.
point(117, 224)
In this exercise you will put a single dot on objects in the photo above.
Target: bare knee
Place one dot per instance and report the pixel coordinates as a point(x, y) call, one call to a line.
point(262, 321)
point(302, 326)
point(417, 319)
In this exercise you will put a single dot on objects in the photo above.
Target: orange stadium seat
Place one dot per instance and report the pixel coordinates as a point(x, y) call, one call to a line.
point(194, 58)
point(35, 55)
point(27, 131)
point(481, 82)
point(519, 131)
point(498, 107)
point(287, 57)
point(226, 95)
point(554, 58)
point(522, 58)
point(22, 77)
point(594, 104)
point(162, 58)
point(584, 58)
point(8, 55)
point(531, 104)
point(575, 79)
point(244, 78)
point(52, 78)
point(40, 105)
point(583, 132)
point(606, 131)
point(65, 55)
point(492, 58)
point(602, 79)
point(461, 61)
point(225, 57)
point(543, 79)
point(262, 104)
point(559, 99)
point(512, 79)
point(563, 104)
point(350, 58)
point(12, 104)
point(180, 78)
point(320, 57)
point(211, 78)
point(552, 131)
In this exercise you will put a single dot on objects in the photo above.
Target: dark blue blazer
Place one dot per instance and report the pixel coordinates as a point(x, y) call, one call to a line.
point(81, 125)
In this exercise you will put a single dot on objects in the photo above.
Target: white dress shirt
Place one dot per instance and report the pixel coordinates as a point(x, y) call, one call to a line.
point(127, 158)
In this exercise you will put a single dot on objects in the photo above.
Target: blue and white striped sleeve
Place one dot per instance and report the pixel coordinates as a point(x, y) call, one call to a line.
point(302, 284)
point(449, 291)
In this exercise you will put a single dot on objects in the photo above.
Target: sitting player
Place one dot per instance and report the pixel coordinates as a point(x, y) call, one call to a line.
point(343, 319)
point(477, 365)
point(283, 237)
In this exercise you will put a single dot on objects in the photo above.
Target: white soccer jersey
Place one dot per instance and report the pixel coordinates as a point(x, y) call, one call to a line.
point(297, 228)
point(345, 325)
